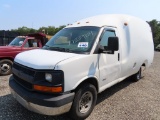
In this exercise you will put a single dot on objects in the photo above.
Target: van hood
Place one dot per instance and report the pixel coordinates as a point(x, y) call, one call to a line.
point(42, 59)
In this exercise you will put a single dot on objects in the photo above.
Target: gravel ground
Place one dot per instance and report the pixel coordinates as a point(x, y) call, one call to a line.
point(124, 101)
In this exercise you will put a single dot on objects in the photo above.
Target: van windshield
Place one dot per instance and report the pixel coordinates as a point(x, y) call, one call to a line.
point(75, 39)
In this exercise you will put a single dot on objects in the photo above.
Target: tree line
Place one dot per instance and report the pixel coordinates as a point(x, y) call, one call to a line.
point(155, 26)
point(51, 30)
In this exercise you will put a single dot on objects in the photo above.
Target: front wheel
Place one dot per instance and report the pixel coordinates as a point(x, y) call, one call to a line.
point(84, 102)
point(5, 67)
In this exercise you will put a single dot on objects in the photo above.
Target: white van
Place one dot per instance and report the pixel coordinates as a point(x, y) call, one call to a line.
point(80, 61)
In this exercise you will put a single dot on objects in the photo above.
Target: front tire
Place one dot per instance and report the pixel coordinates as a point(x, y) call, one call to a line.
point(5, 67)
point(84, 102)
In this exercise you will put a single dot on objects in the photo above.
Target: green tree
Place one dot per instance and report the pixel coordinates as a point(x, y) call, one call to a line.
point(50, 30)
point(32, 30)
point(43, 29)
point(155, 26)
point(24, 30)
point(59, 28)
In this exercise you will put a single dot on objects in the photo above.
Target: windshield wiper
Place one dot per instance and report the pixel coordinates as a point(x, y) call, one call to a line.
point(46, 47)
point(56, 48)
point(68, 50)
point(60, 49)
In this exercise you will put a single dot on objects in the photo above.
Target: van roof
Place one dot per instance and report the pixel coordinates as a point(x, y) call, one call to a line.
point(103, 20)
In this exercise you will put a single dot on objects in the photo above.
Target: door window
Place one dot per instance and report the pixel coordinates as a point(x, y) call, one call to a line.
point(106, 35)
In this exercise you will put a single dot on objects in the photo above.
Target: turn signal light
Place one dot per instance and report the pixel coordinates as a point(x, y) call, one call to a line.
point(47, 89)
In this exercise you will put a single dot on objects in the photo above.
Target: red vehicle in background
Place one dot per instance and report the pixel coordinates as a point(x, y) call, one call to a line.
point(19, 44)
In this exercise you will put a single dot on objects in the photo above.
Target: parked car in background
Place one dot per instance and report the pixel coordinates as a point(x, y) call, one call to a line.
point(157, 48)
point(17, 45)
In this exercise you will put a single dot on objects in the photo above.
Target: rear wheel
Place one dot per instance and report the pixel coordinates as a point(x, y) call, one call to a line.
point(136, 77)
point(5, 67)
point(84, 102)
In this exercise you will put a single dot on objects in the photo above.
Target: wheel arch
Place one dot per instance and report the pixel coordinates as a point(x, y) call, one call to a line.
point(90, 80)
point(144, 64)
point(7, 58)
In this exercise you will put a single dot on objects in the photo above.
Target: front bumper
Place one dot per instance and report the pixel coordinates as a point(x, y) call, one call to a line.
point(41, 103)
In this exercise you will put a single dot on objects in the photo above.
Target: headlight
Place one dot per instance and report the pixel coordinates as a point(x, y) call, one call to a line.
point(48, 77)
point(51, 81)
point(52, 77)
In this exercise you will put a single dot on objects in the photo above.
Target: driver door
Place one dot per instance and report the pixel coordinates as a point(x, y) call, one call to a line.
point(109, 64)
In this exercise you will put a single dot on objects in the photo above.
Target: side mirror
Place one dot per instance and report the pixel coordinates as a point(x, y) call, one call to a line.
point(101, 49)
point(113, 44)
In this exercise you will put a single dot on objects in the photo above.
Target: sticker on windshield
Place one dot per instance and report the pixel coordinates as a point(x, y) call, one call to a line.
point(83, 44)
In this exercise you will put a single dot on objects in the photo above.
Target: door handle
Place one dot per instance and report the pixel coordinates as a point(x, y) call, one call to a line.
point(118, 56)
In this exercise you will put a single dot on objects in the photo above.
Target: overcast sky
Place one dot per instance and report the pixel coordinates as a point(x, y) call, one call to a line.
point(38, 13)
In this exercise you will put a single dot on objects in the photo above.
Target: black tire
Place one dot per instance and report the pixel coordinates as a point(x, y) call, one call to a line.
point(136, 77)
point(84, 102)
point(5, 67)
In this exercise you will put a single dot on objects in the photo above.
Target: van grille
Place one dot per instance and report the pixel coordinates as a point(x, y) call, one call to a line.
point(26, 82)
point(24, 69)
point(23, 83)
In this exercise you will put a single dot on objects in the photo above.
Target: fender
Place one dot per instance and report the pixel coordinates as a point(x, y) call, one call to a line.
point(85, 79)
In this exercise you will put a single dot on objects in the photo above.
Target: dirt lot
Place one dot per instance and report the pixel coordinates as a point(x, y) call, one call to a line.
point(124, 101)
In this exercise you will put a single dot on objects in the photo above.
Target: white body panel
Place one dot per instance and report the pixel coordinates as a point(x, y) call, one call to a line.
point(135, 49)
point(42, 59)
point(135, 39)
point(85, 65)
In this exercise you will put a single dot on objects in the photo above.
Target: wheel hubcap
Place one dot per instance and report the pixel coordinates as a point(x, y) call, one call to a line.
point(4, 68)
point(85, 102)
